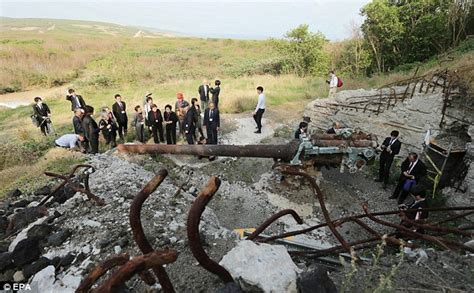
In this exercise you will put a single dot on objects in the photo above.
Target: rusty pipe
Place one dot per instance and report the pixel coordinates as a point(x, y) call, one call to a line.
point(272, 219)
point(135, 266)
point(285, 152)
point(194, 218)
point(137, 228)
point(101, 269)
point(390, 239)
point(434, 227)
point(350, 143)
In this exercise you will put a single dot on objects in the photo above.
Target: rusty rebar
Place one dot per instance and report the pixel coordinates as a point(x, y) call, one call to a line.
point(320, 197)
point(67, 180)
point(58, 187)
point(448, 244)
point(342, 220)
point(194, 218)
point(337, 249)
point(137, 228)
point(435, 227)
point(272, 219)
point(389, 239)
point(100, 270)
point(135, 266)
point(454, 217)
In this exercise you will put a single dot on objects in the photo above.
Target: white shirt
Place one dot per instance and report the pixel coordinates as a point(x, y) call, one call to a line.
point(333, 81)
point(67, 141)
point(412, 165)
point(261, 102)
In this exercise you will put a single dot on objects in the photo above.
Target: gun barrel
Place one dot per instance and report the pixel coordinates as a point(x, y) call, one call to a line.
point(284, 152)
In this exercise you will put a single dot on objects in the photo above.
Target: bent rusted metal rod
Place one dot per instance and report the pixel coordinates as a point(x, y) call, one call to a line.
point(194, 218)
point(389, 239)
point(272, 219)
point(137, 228)
point(57, 188)
point(454, 217)
point(99, 201)
point(135, 266)
point(101, 269)
point(320, 197)
point(340, 221)
point(435, 228)
point(442, 242)
point(336, 249)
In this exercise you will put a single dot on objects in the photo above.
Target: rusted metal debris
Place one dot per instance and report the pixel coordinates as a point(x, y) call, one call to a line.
point(135, 266)
point(272, 219)
point(194, 218)
point(100, 270)
point(67, 179)
point(137, 228)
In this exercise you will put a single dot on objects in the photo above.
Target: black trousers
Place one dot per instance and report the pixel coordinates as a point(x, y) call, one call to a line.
point(190, 135)
point(386, 161)
point(155, 130)
point(171, 134)
point(211, 135)
point(122, 129)
point(110, 137)
point(399, 192)
point(94, 144)
point(258, 118)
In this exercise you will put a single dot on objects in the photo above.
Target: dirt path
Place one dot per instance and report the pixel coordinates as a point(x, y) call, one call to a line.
point(16, 99)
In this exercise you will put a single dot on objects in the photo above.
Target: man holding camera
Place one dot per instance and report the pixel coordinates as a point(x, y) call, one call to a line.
point(76, 100)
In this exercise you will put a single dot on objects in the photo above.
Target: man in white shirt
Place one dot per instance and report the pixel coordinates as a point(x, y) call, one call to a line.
point(259, 110)
point(332, 84)
point(69, 141)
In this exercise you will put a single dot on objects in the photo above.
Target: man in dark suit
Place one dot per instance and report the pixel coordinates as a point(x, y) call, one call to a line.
point(212, 122)
point(91, 130)
point(203, 91)
point(215, 93)
point(42, 114)
point(78, 129)
point(119, 109)
point(418, 212)
point(390, 148)
point(412, 172)
point(156, 123)
point(76, 100)
point(189, 124)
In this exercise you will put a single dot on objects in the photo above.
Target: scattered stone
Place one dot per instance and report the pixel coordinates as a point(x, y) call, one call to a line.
point(470, 244)
point(123, 242)
point(86, 249)
point(13, 193)
point(26, 252)
point(229, 288)
point(64, 261)
point(104, 242)
point(316, 280)
point(44, 279)
point(59, 237)
point(25, 217)
point(117, 249)
point(262, 267)
point(33, 268)
point(91, 223)
point(18, 276)
point(5, 260)
point(20, 203)
point(7, 275)
point(40, 231)
point(45, 190)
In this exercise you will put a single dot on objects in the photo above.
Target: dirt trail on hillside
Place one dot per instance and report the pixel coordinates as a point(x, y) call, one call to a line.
point(13, 100)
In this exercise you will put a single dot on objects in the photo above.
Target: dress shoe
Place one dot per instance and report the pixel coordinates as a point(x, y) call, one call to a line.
point(258, 131)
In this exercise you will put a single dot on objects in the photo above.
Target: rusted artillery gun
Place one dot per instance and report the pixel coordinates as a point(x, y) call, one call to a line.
point(344, 149)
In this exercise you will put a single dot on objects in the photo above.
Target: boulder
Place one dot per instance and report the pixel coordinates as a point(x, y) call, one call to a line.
point(13, 193)
point(39, 232)
point(5, 260)
point(59, 237)
point(44, 279)
point(316, 280)
point(33, 268)
point(20, 203)
point(261, 267)
point(45, 190)
point(25, 252)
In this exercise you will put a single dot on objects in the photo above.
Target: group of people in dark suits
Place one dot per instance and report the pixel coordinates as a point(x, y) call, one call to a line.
point(411, 180)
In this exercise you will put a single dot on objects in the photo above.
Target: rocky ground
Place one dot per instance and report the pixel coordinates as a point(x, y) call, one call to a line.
point(55, 248)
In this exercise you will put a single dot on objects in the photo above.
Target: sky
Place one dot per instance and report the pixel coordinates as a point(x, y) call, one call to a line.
point(257, 19)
